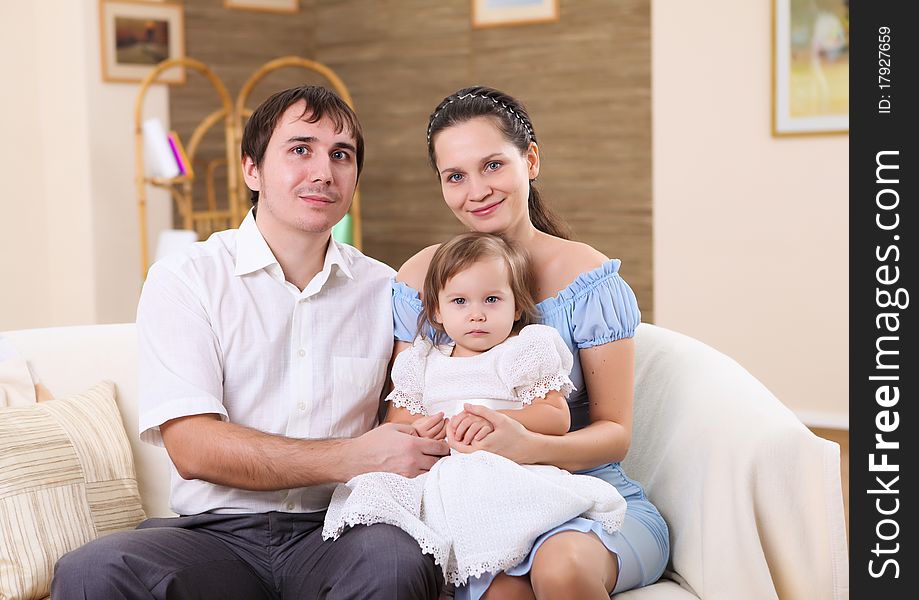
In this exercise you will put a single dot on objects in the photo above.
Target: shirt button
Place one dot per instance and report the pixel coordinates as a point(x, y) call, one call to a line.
point(290, 506)
point(301, 352)
point(301, 406)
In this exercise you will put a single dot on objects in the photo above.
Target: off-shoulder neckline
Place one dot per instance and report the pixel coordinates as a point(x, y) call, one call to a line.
point(582, 284)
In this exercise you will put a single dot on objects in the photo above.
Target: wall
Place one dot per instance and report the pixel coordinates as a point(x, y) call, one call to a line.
point(25, 298)
point(69, 226)
point(750, 231)
point(585, 79)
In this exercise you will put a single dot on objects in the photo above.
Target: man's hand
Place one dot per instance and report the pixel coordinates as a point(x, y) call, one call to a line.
point(393, 448)
point(466, 428)
point(433, 427)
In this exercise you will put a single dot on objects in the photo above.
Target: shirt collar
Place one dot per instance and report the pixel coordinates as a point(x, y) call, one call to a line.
point(334, 256)
point(253, 253)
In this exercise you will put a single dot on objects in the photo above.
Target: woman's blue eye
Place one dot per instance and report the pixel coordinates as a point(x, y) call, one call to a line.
point(491, 299)
point(492, 166)
point(455, 177)
point(459, 301)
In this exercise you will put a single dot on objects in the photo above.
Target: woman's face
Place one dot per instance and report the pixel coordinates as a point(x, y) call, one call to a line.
point(484, 178)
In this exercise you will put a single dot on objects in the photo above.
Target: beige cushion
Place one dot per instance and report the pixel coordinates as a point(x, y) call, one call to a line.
point(66, 477)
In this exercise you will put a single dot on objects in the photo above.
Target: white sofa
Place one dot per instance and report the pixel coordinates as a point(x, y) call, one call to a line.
point(752, 497)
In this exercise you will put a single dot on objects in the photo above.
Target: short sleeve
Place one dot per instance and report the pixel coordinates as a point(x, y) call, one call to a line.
point(406, 307)
point(606, 311)
point(408, 378)
point(180, 370)
point(536, 362)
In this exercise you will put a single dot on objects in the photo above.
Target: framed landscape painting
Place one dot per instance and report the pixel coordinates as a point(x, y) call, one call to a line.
point(136, 36)
point(277, 6)
point(810, 67)
point(498, 13)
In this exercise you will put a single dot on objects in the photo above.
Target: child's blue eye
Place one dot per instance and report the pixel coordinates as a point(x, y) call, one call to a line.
point(491, 299)
point(459, 301)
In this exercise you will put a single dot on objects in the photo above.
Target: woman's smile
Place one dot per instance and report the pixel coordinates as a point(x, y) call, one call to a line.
point(487, 210)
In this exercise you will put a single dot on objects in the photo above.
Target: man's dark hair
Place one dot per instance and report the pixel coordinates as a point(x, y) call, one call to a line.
point(320, 102)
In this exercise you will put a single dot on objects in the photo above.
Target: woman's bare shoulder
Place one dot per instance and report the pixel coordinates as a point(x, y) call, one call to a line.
point(415, 268)
point(573, 258)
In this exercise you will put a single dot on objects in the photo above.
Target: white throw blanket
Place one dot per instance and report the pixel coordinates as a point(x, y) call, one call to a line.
point(474, 513)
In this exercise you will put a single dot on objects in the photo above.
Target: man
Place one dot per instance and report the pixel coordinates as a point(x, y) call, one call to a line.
point(263, 352)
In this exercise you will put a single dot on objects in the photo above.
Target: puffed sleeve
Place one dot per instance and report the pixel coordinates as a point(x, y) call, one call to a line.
point(406, 307)
point(605, 309)
point(408, 378)
point(536, 362)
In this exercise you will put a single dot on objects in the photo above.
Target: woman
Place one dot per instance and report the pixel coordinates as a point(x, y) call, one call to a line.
point(483, 148)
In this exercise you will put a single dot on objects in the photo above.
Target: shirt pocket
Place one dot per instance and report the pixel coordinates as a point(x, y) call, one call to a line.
point(356, 386)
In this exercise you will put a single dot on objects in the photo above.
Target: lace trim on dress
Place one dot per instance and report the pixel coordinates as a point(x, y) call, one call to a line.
point(458, 515)
point(411, 403)
point(542, 386)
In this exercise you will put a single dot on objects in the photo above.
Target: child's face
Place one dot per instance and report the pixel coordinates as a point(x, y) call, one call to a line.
point(476, 307)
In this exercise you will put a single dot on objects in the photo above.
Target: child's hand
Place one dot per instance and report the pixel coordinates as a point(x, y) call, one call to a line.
point(432, 427)
point(467, 428)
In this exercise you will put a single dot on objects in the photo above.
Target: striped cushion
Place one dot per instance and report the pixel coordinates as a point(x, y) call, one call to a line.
point(66, 477)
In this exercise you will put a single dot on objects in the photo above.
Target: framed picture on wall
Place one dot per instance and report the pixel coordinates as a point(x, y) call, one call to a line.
point(810, 67)
point(277, 6)
point(500, 13)
point(136, 36)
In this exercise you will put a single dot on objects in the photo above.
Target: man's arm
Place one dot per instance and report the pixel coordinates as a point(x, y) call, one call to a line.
point(204, 447)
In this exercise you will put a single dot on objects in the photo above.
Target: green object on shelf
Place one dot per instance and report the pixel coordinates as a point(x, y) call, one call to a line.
point(342, 231)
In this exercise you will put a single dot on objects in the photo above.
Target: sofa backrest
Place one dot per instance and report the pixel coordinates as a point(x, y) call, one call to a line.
point(70, 360)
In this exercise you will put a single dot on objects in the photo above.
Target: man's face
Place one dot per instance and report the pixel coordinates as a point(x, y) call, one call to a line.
point(307, 177)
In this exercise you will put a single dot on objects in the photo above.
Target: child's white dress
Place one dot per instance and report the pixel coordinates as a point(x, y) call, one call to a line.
point(477, 512)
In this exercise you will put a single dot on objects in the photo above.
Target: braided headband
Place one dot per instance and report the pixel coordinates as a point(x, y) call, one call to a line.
point(526, 126)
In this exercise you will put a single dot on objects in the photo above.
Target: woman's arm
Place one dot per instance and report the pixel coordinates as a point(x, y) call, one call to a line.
point(548, 415)
point(609, 376)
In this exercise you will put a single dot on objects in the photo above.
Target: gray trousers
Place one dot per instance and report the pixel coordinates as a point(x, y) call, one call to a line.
point(272, 556)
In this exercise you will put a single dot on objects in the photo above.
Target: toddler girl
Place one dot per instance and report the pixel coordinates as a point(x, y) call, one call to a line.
point(478, 512)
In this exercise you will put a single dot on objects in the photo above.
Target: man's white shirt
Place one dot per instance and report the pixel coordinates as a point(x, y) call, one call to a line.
point(221, 331)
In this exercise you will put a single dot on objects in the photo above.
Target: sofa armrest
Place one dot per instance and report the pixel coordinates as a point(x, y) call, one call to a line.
point(752, 497)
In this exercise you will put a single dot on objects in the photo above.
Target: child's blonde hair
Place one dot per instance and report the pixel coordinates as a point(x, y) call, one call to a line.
point(458, 254)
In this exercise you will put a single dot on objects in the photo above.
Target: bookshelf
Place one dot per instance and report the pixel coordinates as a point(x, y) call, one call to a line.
point(220, 213)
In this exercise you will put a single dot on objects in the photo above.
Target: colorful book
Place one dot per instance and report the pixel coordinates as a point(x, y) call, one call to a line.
point(158, 155)
point(178, 151)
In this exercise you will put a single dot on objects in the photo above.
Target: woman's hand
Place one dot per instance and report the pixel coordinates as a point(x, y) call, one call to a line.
point(508, 437)
point(466, 428)
point(432, 427)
